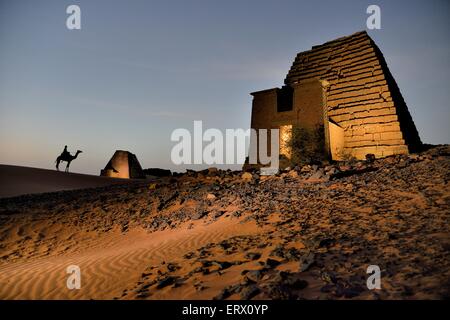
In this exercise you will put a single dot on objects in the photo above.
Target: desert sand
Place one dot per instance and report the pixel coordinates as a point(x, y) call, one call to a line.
point(306, 233)
point(17, 180)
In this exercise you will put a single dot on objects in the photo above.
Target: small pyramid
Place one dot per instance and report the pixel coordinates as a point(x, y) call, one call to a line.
point(123, 164)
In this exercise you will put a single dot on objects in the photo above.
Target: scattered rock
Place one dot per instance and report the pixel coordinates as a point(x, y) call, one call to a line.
point(247, 176)
point(199, 214)
point(254, 275)
point(249, 292)
point(225, 293)
point(172, 267)
point(219, 213)
point(319, 175)
point(306, 261)
point(293, 174)
point(165, 282)
point(222, 265)
point(295, 283)
point(253, 255)
point(271, 263)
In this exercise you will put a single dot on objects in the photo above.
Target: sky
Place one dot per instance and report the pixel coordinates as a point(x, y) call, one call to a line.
point(137, 70)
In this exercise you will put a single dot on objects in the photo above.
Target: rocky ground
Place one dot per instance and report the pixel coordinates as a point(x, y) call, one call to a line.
point(319, 228)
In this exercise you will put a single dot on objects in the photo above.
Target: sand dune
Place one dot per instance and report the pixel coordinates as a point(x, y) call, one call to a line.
point(214, 234)
point(113, 261)
point(16, 180)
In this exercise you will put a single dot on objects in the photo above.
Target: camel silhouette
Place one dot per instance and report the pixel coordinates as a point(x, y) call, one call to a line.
point(66, 156)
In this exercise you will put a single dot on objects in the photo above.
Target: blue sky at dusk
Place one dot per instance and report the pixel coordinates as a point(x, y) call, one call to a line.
point(137, 70)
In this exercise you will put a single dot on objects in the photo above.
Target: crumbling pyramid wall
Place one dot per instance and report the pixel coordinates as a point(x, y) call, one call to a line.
point(123, 164)
point(362, 96)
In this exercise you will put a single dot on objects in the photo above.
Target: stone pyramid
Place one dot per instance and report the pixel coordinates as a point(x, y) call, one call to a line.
point(123, 164)
point(345, 85)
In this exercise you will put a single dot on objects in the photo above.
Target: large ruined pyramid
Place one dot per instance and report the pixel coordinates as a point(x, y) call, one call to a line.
point(123, 164)
point(346, 86)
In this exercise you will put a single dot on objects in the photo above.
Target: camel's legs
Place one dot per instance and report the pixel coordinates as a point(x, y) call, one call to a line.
point(67, 167)
point(57, 163)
